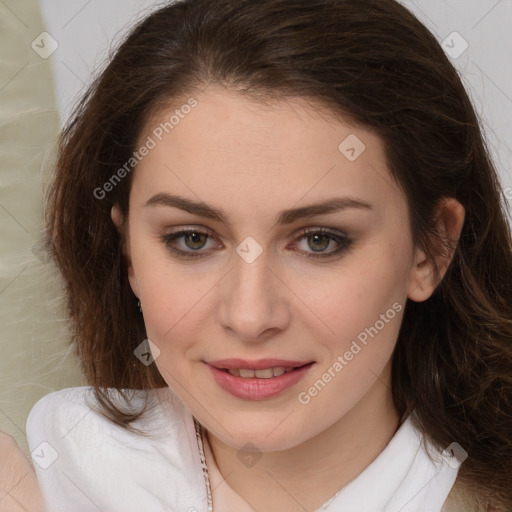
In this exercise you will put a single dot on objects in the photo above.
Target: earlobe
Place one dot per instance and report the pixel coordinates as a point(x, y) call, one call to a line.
point(117, 217)
point(449, 222)
point(422, 282)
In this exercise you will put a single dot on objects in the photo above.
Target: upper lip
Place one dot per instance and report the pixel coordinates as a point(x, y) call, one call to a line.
point(259, 364)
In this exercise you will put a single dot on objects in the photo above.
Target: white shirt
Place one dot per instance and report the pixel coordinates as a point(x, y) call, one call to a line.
point(85, 463)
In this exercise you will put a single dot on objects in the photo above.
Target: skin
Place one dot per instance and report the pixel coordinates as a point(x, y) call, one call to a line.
point(253, 161)
point(19, 490)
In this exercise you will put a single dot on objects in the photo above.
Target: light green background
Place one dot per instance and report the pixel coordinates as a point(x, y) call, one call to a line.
point(35, 355)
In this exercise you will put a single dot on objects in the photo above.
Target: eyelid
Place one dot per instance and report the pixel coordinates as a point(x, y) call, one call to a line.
point(341, 238)
point(183, 230)
point(300, 232)
point(196, 228)
point(320, 229)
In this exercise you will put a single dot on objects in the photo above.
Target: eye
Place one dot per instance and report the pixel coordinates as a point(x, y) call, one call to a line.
point(192, 241)
point(321, 239)
point(189, 243)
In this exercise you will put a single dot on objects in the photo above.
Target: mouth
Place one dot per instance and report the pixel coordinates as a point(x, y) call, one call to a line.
point(265, 368)
point(265, 373)
point(258, 380)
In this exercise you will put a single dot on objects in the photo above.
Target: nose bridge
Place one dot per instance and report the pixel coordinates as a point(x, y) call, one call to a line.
point(251, 279)
point(253, 301)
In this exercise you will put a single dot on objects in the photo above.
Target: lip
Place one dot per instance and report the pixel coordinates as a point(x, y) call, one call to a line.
point(259, 364)
point(253, 388)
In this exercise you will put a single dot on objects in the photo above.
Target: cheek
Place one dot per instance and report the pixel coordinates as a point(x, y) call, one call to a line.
point(365, 314)
point(170, 297)
point(359, 294)
point(172, 316)
point(364, 310)
point(172, 309)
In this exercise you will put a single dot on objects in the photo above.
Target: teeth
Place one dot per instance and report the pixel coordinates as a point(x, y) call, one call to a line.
point(266, 373)
point(276, 371)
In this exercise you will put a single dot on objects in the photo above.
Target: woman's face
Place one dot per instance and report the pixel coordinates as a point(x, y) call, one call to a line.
point(297, 247)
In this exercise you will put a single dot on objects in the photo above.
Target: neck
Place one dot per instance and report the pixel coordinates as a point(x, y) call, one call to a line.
point(305, 476)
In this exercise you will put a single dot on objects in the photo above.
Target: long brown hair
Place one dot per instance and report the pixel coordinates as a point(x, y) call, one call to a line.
point(370, 60)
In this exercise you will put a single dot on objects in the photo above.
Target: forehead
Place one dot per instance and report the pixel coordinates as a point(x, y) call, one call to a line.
point(286, 149)
point(250, 120)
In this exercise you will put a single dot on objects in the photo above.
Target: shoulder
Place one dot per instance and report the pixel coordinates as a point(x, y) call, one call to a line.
point(79, 452)
point(60, 412)
point(73, 419)
point(55, 414)
point(58, 401)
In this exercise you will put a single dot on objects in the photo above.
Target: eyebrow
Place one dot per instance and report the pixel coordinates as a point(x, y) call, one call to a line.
point(282, 218)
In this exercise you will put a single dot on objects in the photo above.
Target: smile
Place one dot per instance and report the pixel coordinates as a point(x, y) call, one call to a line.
point(258, 384)
point(266, 373)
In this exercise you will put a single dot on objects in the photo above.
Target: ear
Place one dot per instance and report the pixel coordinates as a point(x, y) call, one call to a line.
point(450, 216)
point(118, 220)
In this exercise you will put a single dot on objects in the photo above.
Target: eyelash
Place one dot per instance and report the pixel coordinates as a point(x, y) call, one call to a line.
point(344, 242)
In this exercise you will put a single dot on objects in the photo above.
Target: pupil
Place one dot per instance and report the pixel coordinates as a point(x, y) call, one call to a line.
point(196, 239)
point(319, 246)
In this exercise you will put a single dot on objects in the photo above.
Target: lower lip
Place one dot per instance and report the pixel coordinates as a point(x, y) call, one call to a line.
point(253, 388)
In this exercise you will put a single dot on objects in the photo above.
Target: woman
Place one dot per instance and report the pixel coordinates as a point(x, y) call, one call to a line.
point(298, 198)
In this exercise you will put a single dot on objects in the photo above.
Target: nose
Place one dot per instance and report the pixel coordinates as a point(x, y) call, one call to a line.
point(254, 304)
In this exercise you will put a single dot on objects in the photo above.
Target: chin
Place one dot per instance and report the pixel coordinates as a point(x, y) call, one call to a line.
point(263, 437)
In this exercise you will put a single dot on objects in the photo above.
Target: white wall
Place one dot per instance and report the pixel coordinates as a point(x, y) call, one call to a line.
point(86, 29)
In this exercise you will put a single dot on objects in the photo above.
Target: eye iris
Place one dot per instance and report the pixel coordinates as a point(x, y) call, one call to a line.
point(196, 239)
point(317, 241)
